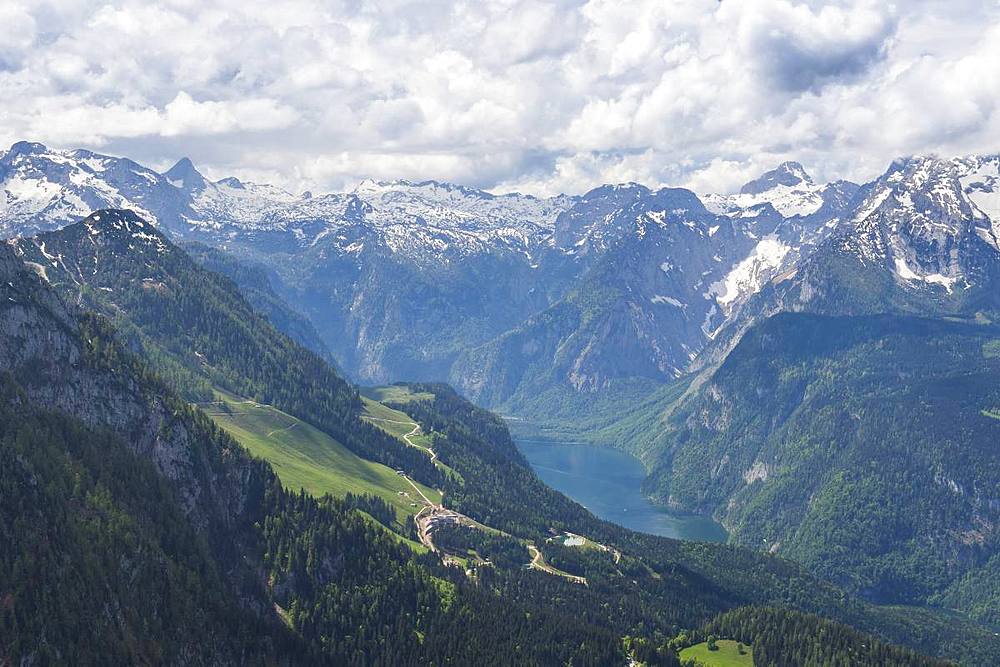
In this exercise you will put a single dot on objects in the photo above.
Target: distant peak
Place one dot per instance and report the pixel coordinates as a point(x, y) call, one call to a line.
point(630, 185)
point(793, 168)
point(370, 186)
point(369, 183)
point(185, 175)
point(184, 165)
point(232, 182)
point(375, 185)
point(618, 189)
point(788, 174)
point(27, 148)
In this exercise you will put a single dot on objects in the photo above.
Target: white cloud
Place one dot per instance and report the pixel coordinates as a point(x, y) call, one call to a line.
point(183, 116)
point(18, 32)
point(526, 94)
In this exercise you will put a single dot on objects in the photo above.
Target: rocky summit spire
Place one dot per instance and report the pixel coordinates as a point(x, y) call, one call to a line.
point(185, 176)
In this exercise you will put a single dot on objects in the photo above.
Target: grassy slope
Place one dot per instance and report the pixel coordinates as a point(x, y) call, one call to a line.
point(396, 394)
point(398, 424)
point(393, 421)
point(726, 656)
point(305, 457)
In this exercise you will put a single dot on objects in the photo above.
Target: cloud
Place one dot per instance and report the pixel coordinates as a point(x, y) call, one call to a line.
point(17, 34)
point(512, 94)
point(797, 47)
point(183, 116)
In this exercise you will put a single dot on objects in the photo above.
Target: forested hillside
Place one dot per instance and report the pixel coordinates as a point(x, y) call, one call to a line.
point(656, 581)
point(257, 286)
point(782, 638)
point(862, 447)
point(198, 331)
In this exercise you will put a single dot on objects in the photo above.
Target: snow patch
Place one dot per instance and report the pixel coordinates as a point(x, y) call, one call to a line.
point(906, 273)
point(982, 186)
point(801, 199)
point(659, 298)
point(751, 274)
point(903, 271)
point(872, 204)
point(939, 279)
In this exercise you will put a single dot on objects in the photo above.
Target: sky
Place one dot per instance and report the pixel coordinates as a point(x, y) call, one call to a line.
point(539, 97)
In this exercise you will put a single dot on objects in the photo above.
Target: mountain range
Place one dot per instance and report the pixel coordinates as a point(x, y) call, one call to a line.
point(365, 266)
point(435, 281)
point(811, 364)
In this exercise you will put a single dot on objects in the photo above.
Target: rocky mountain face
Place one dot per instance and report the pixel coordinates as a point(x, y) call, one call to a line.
point(508, 295)
point(42, 335)
point(109, 478)
point(657, 275)
point(919, 239)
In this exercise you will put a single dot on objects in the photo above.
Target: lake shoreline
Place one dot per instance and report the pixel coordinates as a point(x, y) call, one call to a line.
point(607, 481)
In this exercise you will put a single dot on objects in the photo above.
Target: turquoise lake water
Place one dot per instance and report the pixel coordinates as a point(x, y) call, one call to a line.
point(607, 481)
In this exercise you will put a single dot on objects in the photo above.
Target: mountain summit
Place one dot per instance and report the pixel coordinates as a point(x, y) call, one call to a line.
point(788, 174)
point(185, 176)
point(787, 189)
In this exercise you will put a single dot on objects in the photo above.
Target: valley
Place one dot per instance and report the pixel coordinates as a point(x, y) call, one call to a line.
point(692, 342)
point(458, 333)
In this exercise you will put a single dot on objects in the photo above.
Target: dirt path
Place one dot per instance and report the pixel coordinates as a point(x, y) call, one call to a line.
point(538, 563)
point(427, 501)
point(416, 427)
point(407, 436)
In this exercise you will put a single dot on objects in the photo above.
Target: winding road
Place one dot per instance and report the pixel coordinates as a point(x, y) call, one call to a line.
point(538, 563)
point(432, 514)
point(407, 436)
point(416, 427)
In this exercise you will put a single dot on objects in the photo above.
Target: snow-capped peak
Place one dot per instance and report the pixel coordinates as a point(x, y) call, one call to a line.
point(449, 206)
point(42, 188)
point(933, 194)
point(787, 174)
point(980, 179)
point(787, 188)
point(924, 218)
point(371, 186)
point(122, 224)
point(26, 148)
